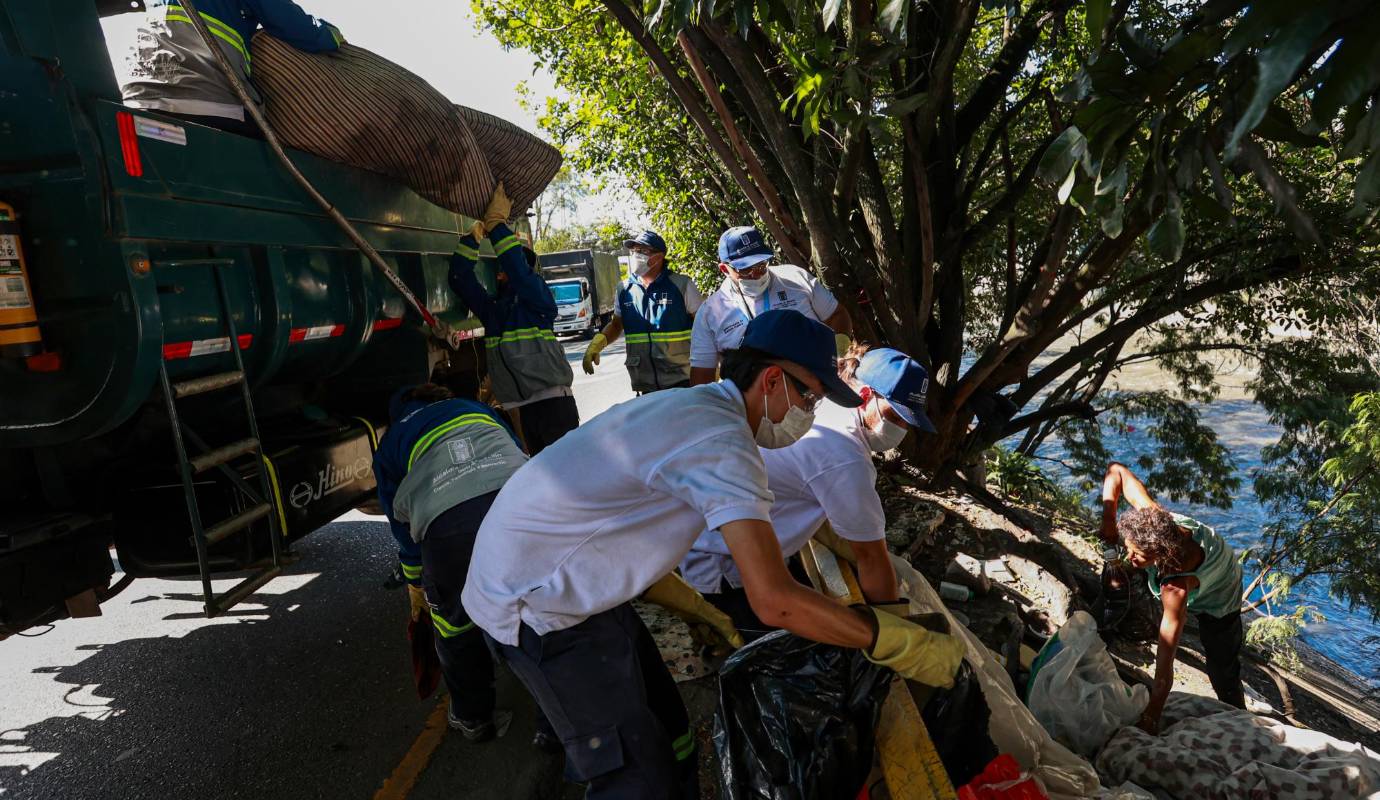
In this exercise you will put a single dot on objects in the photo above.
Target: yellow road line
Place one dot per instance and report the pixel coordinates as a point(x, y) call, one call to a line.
point(399, 784)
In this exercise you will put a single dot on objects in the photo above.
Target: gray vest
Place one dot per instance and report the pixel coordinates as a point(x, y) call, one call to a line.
point(456, 461)
point(525, 361)
point(175, 71)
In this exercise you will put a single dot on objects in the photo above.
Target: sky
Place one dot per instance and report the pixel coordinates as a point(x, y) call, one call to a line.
point(439, 41)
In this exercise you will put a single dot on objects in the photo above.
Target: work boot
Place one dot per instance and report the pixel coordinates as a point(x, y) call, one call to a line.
point(474, 730)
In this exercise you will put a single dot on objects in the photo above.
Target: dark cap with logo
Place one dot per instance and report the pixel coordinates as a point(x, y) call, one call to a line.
point(647, 239)
point(743, 247)
point(792, 336)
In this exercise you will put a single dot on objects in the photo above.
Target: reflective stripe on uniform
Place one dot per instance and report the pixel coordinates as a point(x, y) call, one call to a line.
point(217, 28)
point(467, 252)
point(446, 629)
point(684, 747)
point(410, 571)
point(520, 334)
point(657, 336)
point(505, 244)
point(441, 430)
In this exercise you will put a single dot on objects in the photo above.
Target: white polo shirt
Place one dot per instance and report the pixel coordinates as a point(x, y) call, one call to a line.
point(828, 474)
point(612, 507)
point(723, 318)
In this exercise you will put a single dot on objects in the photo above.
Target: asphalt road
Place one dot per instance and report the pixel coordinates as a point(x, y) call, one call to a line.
point(304, 690)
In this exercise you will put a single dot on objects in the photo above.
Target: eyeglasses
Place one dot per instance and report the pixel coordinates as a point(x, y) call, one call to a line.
point(754, 271)
point(811, 399)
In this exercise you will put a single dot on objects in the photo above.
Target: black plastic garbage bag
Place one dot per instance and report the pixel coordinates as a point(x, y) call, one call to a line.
point(796, 720)
point(957, 720)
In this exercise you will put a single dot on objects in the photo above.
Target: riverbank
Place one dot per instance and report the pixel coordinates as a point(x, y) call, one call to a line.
point(1052, 569)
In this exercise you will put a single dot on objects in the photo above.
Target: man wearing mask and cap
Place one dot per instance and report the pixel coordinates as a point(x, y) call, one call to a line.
point(825, 485)
point(602, 514)
point(751, 286)
point(528, 371)
point(655, 310)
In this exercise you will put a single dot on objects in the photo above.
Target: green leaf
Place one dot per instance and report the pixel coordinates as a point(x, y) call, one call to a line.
point(891, 13)
point(1095, 15)
point(1166, 237)
point(1365, 133)
point(1063, 155)
point(905, 105)
point(830, 12)
point(1353, 71)
point(1367, 199)
point(1139, 50)
point(1278, 126)
point(1070, 180)
point(1262, 19)
point(1277, 64)
point(1209, 209)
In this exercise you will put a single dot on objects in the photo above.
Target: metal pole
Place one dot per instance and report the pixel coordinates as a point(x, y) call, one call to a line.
point(438, 328)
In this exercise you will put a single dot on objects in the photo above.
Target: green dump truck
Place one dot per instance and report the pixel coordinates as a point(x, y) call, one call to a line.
point(208, 362)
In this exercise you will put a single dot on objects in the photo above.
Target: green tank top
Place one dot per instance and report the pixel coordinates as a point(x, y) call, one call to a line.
point(1219, 576)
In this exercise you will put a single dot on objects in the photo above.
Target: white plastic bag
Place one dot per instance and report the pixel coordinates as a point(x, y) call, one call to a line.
point(1077, 695)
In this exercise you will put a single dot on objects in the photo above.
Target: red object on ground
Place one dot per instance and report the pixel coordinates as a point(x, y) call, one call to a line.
point(426, 665)
point(1002, 779)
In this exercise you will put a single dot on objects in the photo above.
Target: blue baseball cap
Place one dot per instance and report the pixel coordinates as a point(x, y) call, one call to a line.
point(647, 239)
point(792, 336)
point(901, 380)
point(743, 247)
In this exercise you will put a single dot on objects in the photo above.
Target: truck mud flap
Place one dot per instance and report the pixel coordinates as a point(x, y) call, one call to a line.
point(44, 561)
point(314, 479)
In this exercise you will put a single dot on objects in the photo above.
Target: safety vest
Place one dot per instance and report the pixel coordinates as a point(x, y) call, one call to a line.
point(656, 330)
point(175, 70)
point(460, 459)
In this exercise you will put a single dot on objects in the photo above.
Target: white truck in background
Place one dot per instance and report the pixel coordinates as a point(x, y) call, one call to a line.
point(585, 285)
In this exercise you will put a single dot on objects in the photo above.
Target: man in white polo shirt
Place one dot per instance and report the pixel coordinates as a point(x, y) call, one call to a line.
point(598, 517)
point(751, 286)
point(828, 478)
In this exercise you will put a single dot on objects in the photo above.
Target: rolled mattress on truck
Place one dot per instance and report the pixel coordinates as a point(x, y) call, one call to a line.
point(358, 108)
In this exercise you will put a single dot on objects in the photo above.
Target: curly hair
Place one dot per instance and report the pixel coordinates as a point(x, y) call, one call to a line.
point(1154, 532)
point(851, 360)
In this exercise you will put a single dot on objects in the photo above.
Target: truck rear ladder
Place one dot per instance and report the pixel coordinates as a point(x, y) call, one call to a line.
point(259, 498)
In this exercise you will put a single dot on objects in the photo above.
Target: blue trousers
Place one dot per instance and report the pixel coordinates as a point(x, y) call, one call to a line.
point(604, 689)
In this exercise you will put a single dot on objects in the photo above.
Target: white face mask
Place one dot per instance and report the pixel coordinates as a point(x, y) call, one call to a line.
point(888, 438)
point(638, 264)
point(753, 287)
point(774, 435)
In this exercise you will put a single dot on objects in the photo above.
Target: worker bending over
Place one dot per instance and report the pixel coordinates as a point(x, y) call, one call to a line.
point(175, 72)
point(528, 372)
point(751, 286)
point(825, 485)
point(1191, 569)
point(655, 309)
point(604, 513)
point(439, 468)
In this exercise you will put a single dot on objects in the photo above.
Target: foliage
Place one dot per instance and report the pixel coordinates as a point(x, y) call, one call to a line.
point(1275, 634)
point(558, 202)
point(605, 235)
point(1019, 478)
point(1030, 197)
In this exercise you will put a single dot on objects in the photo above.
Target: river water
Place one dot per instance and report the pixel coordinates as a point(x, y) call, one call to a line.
point(1244, 428)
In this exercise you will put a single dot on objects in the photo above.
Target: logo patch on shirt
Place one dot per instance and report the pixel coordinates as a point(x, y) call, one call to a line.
point(461, 451)
point(781, 295)
point(734, 325)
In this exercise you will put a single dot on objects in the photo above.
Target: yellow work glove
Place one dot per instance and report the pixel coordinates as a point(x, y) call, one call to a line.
point(708, 625)
point(915, 653)
point(842, 342)
point(837, 545)
point(477, 231)
point(500, 208)
point(596, 346)
point(416, 596)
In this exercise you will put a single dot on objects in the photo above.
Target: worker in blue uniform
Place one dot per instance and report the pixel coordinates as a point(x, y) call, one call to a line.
point(439, 468)
point(528, 370)
point(176, 73)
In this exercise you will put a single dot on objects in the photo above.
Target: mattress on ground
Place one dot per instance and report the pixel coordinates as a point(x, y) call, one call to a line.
point(1212, 751)
point(355, 107)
